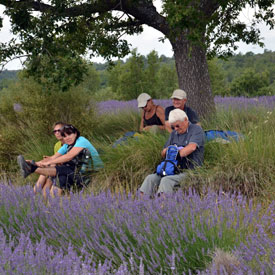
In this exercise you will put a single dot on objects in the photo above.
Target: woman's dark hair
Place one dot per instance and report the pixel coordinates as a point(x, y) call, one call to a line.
point(59, 123)
point(69, 129)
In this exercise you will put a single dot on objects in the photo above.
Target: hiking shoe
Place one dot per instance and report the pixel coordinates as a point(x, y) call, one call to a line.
point(25, 168)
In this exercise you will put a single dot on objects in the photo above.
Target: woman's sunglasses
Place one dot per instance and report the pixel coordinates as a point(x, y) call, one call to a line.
point(56, 131)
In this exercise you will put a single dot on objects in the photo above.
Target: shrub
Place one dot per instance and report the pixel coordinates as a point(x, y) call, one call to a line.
point(249, 83)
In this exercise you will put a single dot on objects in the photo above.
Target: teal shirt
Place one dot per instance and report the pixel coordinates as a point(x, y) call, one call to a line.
point(85, 143)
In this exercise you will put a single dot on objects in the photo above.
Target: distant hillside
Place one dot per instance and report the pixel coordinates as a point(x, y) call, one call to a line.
point(8, 74)
point(235, 65)
point(242, 74)
point(6, 77)
point(232, 67)
point(249, 74)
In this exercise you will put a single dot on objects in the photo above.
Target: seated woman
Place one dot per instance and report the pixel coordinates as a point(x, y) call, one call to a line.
point(43, 183)
point(152, 116)
point(76, 159)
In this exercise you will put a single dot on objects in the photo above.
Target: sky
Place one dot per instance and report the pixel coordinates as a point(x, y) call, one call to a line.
point(149, 40)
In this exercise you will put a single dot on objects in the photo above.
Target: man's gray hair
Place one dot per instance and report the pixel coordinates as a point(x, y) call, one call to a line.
point(177, 115)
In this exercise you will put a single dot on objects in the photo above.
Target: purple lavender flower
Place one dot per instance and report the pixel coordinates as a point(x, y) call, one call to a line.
point(114, 106)
point(244, 102)
point(17, 107)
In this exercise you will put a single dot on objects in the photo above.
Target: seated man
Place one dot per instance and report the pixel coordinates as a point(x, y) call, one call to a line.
point(179, 99)
point(152, 116)
point(190, 140)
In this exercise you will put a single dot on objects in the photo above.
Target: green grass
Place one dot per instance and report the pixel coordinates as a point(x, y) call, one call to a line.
point(127, 164)
point(247, 166)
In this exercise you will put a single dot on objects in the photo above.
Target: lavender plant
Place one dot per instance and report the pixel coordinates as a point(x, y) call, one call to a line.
point(174, 235)
point(26, 257)
point(239, 103)
point(236, 103)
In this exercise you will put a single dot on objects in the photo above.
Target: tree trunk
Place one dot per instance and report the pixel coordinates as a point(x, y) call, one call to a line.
point(193, 76)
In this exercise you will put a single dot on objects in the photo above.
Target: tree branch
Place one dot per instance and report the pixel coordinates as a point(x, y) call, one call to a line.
point(84, 9)
point(208, 7)
point(122, 25)
point(144, 12)
point(35, 5)
point(11, 59)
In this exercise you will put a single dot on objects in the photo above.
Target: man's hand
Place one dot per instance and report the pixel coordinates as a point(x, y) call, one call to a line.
point(163, 152)
point(187, 150)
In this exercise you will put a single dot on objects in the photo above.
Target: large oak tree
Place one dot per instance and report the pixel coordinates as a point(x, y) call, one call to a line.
point(195, 28)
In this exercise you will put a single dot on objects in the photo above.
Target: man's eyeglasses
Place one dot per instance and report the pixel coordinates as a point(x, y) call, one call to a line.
point(173, 127)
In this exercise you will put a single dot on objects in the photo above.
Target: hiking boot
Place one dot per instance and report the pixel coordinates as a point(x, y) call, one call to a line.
point(25, 168)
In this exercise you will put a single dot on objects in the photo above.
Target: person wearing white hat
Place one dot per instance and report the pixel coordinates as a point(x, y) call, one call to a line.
point(179, 99)
point(152, 116)
point(189, 139)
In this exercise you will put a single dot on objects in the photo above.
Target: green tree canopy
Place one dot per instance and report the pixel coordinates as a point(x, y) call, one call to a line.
point(91, 81)
point(217, 77)
point(141, 74)
point(249, 83)
point(128, 80)
point(58, 70)
point(151, 74)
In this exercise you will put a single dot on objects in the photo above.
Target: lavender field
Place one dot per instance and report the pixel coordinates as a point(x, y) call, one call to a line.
point(239, 103)
point(97, 232)
point(106, 234)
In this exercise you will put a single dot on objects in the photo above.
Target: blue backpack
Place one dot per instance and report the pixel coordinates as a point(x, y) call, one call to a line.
point(170, 165)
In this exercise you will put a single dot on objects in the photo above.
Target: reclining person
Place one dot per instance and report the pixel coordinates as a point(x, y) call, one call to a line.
point(75, 158)
point(152, 119)
point(152, 116)
point(189, 138)
point(179, 99)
